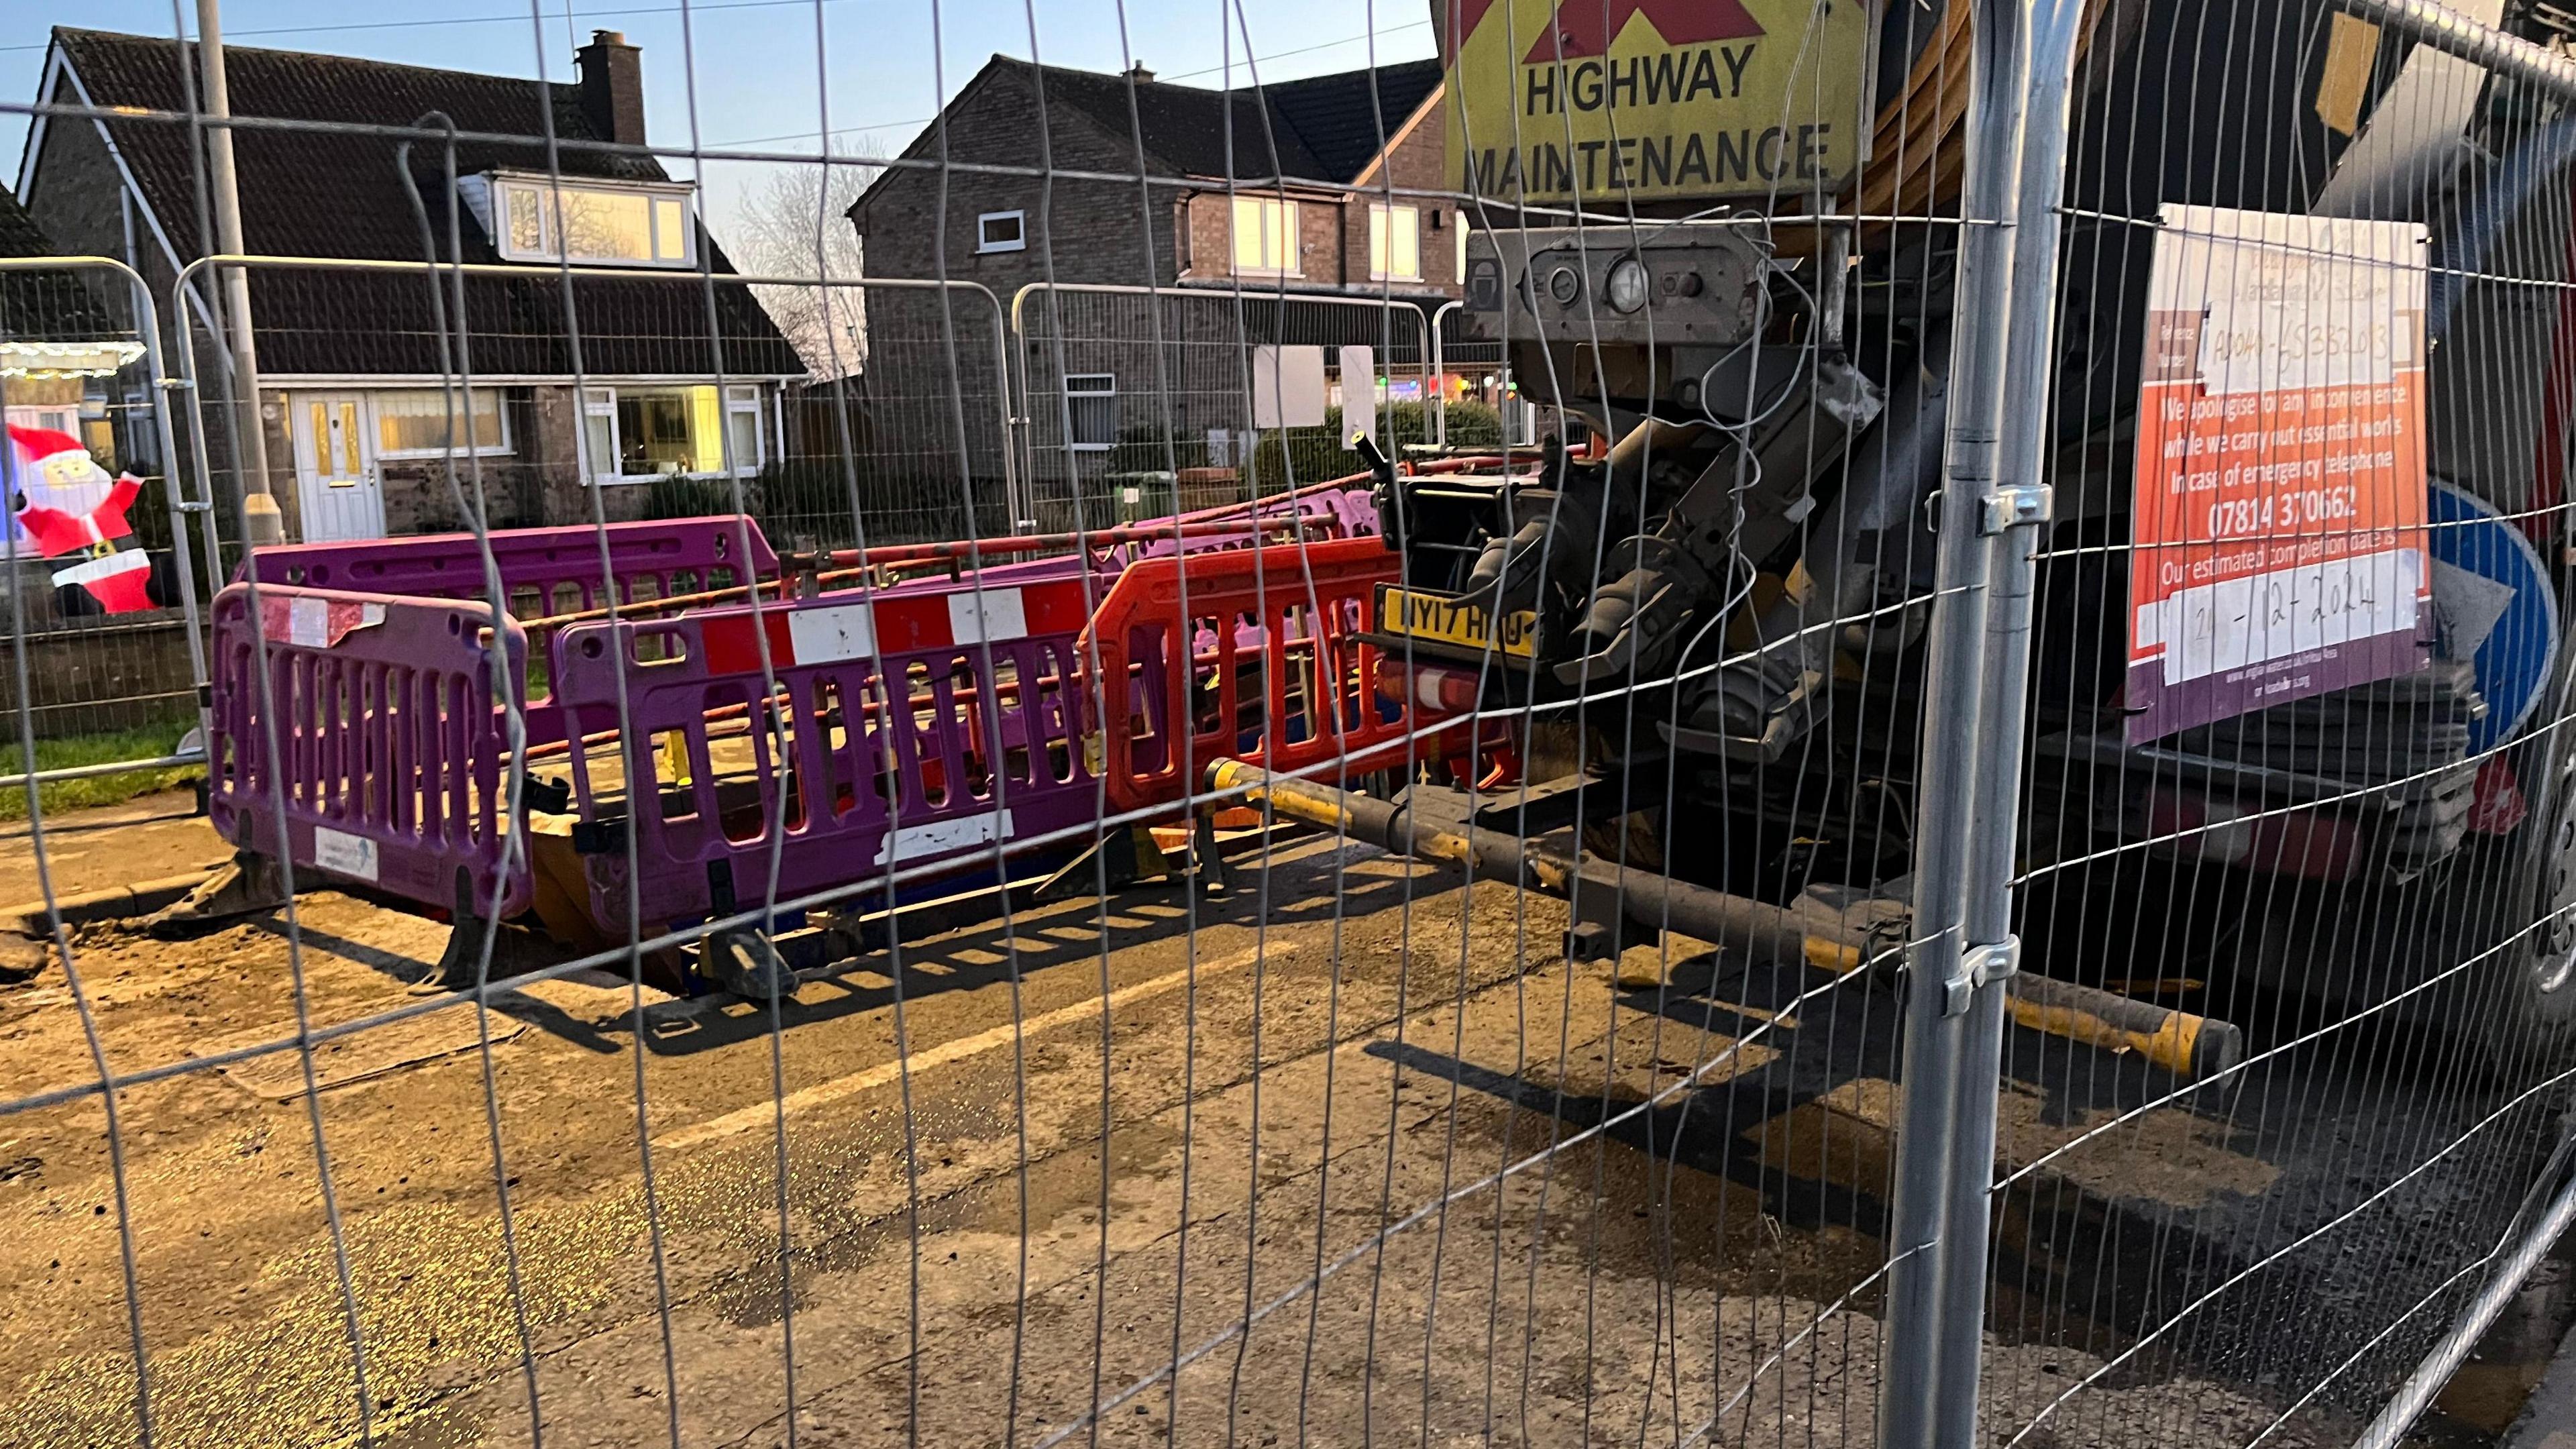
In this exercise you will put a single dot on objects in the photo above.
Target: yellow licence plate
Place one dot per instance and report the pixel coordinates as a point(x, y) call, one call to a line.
point(1460, 622)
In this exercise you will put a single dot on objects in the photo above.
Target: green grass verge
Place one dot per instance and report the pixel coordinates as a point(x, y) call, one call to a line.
point(146, 743)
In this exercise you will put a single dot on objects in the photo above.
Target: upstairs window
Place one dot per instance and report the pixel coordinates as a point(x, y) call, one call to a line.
point(1395, 243)
point(541, 221)
point(1265, 235)
point(1002, 231)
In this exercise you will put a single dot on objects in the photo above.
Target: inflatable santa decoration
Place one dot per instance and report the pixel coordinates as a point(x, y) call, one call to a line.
point(69, 509)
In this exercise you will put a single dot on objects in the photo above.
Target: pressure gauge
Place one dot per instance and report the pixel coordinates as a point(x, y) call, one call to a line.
point(1626, 287)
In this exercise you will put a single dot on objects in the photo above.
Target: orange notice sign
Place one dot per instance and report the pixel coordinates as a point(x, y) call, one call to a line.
point(2279, 499)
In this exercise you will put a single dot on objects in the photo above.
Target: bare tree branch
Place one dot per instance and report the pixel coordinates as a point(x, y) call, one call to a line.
point(795, 224)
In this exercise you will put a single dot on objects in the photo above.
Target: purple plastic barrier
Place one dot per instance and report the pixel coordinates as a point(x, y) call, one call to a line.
point(392, 742)
point(912, 785)
point(389, 744)
point(556, 569)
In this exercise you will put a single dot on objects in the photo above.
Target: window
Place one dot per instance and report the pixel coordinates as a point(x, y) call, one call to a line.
point(55, 419)
point(1001, 231)
point(599, 433)
point(743, 428)
point(643, 432)
point(539, 221)
point(1265, 234)
point(1091, 403)
point(334, 430)
point(1395, 243)
point(419, 422)
point(1460, 232)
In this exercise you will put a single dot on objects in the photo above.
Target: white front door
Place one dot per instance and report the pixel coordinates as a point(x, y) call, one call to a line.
point(335, 468)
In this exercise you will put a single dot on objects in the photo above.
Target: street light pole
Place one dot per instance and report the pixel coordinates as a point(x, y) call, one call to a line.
point(260, 518)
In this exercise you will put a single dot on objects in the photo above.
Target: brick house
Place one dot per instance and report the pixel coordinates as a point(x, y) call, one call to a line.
point(1302, 246)
point(636, 382)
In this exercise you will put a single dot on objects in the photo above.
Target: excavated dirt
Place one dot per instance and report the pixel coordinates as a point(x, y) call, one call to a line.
point(1004, 1204)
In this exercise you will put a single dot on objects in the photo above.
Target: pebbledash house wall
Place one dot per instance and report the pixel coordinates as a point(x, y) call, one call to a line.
point(1176, 233)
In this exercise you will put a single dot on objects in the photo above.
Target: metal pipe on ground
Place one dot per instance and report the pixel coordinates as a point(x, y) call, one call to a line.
point(2193, 1048)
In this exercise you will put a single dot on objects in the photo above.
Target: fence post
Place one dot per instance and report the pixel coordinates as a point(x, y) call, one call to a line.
point(2016, 508)
point(1439, 379)
point(1939, 986)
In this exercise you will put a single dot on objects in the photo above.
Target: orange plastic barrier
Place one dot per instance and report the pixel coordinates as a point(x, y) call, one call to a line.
point(1260, 661)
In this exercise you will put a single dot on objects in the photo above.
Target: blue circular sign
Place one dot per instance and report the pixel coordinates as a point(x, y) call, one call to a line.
point(2493, 602)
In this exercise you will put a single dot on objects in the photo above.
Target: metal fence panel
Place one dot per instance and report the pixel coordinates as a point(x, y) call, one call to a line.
point(1915, 789)
point(111, 668)
point(1192, 362)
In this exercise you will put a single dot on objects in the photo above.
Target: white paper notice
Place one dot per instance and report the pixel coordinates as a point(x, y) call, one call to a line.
point(1359, 394)
point(342, 853)
point(308, 622)
point(1288, 387)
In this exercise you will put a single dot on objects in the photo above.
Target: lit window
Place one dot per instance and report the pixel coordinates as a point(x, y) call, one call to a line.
point(526, 231)
point(542, 221)
point(419, 422)
point(1091, 406)
point(670, 230)
point(1002, 231)
point(645, 432)
point(1265, 234)
point(1460, 232)
point(1395, 243)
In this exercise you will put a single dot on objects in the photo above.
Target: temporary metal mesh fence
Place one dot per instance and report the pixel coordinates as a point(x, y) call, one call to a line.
point(356, 411)
point(1195, 425)
point(1694, 725)
point(113, 672)
point(2368, 879)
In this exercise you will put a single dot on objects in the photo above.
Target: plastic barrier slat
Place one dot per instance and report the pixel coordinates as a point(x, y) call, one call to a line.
point(450, 565)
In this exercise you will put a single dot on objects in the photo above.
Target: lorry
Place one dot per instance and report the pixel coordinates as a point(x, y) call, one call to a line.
point(1709, 620)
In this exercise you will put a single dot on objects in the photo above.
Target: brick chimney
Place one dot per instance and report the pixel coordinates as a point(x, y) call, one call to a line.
point(1139, 74)
point(612, 87)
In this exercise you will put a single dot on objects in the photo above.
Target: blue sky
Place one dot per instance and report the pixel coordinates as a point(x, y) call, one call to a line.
point(755, 60)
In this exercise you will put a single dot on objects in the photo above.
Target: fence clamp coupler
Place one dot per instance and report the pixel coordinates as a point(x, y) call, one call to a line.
point(1979, 967)
point(2013, 505)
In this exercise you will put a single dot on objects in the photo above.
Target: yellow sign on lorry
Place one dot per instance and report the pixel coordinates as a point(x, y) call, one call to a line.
point(1605, 101)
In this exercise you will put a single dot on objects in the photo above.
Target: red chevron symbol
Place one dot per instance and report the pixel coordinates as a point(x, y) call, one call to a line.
point(1586, 27)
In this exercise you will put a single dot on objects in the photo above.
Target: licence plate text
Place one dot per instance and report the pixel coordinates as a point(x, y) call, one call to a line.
point(1462, 622)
